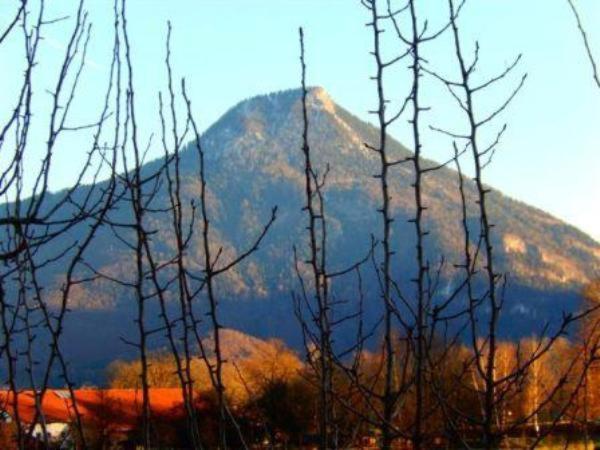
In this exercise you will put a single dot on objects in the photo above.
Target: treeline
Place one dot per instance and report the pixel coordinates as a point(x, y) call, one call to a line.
point(273, 394)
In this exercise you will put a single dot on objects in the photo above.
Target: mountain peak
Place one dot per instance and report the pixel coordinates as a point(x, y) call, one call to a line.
point(280, 102)
point(268, 126)
point(318, 97)
point(255, 161)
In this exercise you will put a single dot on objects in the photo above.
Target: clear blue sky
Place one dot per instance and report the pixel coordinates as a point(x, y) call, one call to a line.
point(229, 50)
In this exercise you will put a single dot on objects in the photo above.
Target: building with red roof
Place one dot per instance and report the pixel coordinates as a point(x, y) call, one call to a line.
point(116, 412)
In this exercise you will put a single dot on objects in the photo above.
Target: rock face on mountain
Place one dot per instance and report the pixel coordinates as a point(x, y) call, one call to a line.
point(254, 162)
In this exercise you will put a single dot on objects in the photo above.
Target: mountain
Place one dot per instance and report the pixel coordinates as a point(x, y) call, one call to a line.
point(254, 162)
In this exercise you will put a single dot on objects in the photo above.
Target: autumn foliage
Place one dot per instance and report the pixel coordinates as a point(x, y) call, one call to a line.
point(272, 391)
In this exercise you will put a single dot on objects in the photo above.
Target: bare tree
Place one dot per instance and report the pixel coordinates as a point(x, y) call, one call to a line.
point(498, 385)
point(415, 316)
point(315, 303)
point(586, 42)
point(35, 223)
point(590, 323)
point(317, 236)
point(211, 272)
point(156, 278)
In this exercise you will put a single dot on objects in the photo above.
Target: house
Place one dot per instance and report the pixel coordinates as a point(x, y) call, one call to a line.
point(111, 413)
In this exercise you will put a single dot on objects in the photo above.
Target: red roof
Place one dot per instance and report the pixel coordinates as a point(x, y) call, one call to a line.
point(117, 408)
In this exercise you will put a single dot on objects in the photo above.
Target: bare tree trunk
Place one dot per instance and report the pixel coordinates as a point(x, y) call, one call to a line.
point(422, 268)
point(389, 393)
point(210, 273)
point(317, 235)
